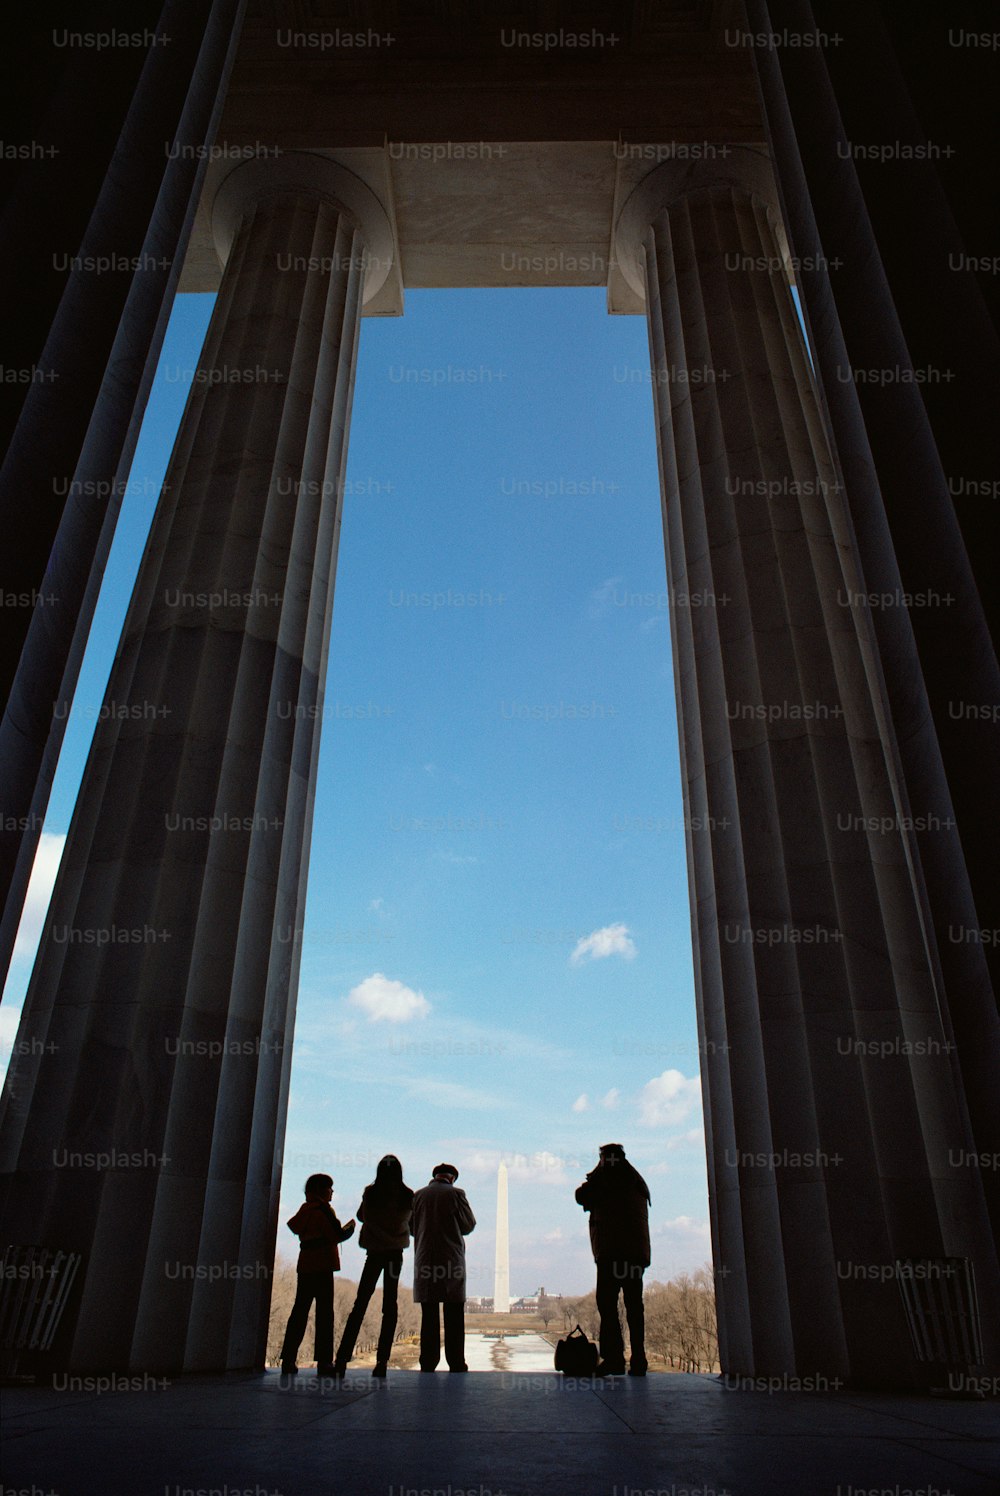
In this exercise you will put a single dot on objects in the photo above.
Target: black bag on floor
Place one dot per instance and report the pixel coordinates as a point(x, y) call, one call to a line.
point(576, 1356)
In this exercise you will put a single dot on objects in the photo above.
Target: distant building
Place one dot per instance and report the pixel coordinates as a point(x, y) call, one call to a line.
point(529, 1304)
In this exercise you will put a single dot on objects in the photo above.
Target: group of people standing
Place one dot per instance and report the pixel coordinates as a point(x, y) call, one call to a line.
point(440, 1218)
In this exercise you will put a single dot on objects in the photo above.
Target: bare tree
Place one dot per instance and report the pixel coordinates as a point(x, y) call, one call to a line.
point(283, 1289)
point(547, 1308)
point(680, 1321)
point(283, 1286)
point(567, 1308)
point(585, 1314)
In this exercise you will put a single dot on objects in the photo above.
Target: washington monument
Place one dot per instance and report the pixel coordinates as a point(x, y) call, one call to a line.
point(501, 1275)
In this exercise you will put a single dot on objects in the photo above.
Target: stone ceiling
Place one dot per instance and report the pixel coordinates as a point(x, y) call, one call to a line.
point(501, 139)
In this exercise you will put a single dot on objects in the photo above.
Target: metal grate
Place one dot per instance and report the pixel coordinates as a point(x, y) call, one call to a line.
point(33, 1294)
point(939, 1295)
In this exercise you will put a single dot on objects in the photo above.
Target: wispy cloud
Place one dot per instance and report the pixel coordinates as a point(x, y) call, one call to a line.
point(693, 1138)
point(582, 1103)
point(446, 1093)
point(610, 940)
point(684, 1230)
point(332, 1036)
point(540, 1167)
point(601, 598)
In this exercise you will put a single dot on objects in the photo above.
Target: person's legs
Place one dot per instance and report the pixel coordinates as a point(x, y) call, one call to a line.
point(609, 1282)
point(324, 1318)
point(454, 1336)
point(393, 1263)
point(305, 1289)
point(369, 1278)
point(430, 1336)
point(636, 1316)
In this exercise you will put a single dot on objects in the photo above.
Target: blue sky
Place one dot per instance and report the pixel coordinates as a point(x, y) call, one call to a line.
point(496, 956)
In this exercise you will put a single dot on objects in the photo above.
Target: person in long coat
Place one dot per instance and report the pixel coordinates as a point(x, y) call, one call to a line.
point(442, 1219)
point(617, 1197)
point(384, 1214)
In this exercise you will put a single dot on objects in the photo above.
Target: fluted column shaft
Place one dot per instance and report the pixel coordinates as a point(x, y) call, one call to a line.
point(157, 1028)
point(877, 244)
point(66, 466)
point(832, 1093)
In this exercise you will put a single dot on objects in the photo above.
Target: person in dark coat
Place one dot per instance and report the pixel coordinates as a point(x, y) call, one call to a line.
point(442, 1219)
point(617, 1197)
point(320, 1235)
point(384, 1213)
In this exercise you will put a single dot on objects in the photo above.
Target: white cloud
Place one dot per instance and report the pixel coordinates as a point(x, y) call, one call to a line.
point(385, 1000)
point(376, 905)
point(668, 1099)
point(581, 1104)
point(541, 1167)
point(611, 940)
point(610, 1101)
point(36, 903)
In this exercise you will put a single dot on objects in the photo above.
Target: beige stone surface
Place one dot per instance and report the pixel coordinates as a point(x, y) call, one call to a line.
point(505, 169)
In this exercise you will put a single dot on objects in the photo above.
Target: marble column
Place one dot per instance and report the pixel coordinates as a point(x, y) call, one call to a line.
point(143, 1116)
point(876, 242)
point(117, 200)
point(832, 1094)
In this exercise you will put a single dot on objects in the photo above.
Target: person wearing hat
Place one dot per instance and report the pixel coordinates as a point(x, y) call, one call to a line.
point(617, 1197)
point(442, 1219)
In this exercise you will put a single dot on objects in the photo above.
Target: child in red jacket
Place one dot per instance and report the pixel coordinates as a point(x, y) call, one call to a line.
point(320, 1235)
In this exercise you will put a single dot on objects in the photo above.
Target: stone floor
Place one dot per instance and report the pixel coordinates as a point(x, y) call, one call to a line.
point(490, 1433)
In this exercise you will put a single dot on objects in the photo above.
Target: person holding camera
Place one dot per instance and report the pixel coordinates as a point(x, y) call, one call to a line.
point(617, 1199)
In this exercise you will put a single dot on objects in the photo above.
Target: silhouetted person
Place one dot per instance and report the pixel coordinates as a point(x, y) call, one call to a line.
point(320, 1235)
point(617, 1198)
point(384, 1213)
point(442, 1218)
